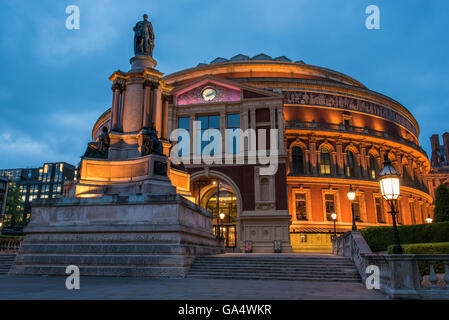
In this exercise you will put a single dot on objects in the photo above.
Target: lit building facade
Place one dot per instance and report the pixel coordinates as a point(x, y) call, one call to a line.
point(333, 134)
point(39, 183)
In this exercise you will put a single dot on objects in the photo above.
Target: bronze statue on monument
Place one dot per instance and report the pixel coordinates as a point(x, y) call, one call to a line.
point(99, 149)
point(143, 37)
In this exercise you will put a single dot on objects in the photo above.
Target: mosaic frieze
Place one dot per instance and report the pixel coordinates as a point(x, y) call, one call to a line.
point(341, 102)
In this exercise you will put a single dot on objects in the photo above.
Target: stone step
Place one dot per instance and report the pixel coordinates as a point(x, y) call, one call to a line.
point(274, 272)
point(267, 263)
point(273, 267)
point(110, 270)
point(125, 248)
point(104, 259)
point(270, 258)
point(6, 261)
point(276, 269)
point(275, 277)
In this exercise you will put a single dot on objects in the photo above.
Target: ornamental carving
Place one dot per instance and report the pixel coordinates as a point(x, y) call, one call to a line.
point(195, 96)
point(311, 98)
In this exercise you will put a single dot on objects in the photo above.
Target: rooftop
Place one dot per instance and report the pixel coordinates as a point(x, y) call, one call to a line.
point(242, 57)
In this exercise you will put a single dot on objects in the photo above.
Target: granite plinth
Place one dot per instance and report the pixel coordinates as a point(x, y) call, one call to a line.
point(139, 235)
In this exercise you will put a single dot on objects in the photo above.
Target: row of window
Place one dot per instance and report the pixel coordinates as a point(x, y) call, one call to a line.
point(213, 122)
point(34, 191)
point(298, 163)
point(301, 204)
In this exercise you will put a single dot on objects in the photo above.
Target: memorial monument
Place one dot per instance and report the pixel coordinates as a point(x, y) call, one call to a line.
point(126, 217)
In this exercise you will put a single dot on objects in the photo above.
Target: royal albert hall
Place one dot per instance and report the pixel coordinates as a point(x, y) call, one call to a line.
point(333, 136)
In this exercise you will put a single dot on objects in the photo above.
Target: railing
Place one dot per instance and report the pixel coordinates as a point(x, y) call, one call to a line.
point(400, 276)
point(10, 246)
point(352, 244)
point(350, 129)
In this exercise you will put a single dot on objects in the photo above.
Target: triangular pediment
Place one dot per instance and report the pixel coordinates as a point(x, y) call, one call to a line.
point(210, 89)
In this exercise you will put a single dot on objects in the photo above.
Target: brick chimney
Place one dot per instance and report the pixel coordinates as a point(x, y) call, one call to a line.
point(435, 158)
point(446, 147)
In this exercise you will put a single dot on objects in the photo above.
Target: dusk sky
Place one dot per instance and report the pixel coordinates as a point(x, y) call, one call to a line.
point(54, 82)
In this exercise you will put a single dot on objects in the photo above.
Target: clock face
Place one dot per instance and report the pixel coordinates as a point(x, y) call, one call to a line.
point(209, 94)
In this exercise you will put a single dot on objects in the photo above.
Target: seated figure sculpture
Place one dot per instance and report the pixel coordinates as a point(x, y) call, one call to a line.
point(100, 148)
point(151, 144)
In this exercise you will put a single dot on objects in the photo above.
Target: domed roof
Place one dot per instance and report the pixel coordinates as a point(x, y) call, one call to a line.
point(258, 57)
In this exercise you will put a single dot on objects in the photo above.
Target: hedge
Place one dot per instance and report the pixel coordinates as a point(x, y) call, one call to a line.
point(2, 236)
point(426, 248)
point(379, 238)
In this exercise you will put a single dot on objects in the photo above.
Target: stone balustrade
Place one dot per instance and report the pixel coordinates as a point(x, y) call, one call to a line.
point(10, 245)
point(400, 276)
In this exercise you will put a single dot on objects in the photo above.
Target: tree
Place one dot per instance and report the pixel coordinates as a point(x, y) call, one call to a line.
point(441, 212)
point(13, 212)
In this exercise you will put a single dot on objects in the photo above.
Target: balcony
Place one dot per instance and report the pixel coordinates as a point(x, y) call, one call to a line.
point(323, 126)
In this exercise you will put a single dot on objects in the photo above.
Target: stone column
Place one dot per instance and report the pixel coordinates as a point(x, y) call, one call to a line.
point(340, 163)
point(253, 119)
point(281, 129)
point(222, 130)
point(364, 161)
point(164, 130)
point(157, 112)
point(244, 127)
point(117, 88)
point(313, 156)
point(358, 165)
point(154, 93)
point(147, 115)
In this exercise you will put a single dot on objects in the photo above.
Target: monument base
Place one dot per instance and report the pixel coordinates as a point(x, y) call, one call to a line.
point(140, 62)
point(133, 235)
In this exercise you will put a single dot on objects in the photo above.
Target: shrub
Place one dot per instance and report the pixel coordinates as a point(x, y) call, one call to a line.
point(426, 248)
point(379, 238)
point(441, 212)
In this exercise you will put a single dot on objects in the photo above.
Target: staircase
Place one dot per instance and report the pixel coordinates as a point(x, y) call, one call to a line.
point(275, 267)
point(6, 261)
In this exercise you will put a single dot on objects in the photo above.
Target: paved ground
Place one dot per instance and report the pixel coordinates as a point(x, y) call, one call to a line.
point(36, 287)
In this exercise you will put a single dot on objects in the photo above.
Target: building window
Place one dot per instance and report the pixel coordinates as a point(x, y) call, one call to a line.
point(303, 237)
point(379, 210)
point(349, 163)
point(183, 123)
point(233, 123)
point(329, 203)
point(356, 208)
point(325, 161)
point(207, 122)
point(297, 161)
point(372, 167)
point(301, 206)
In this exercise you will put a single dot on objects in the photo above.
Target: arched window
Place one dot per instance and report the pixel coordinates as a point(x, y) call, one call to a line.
point(325, 161)
point(297, 161)
point(349, 164)
point(372, 167)
point(264, 189)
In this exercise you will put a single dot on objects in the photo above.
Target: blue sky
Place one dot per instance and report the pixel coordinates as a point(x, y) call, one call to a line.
point(54, 81)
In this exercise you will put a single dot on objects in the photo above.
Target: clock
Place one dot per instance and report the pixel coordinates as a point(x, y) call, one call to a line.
point(209, 94)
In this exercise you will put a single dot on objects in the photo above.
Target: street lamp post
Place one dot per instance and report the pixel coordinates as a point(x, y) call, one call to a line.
point(390, 188)
point(222, 216)
point(334, 217)
point(351, 197)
